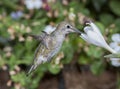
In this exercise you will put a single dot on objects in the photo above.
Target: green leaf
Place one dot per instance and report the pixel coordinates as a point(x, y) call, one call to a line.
point(115, 6)
point(68, 53)
point(94, 52)
point(117, 25)
point(83, 59)
point(19, 78)
point(54, 69)
point(106, 19)
point(28, 82)
point(9, 4)
point(97, 67)
point(98, 4)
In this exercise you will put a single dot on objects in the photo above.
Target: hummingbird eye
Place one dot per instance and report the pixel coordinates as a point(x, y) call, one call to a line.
point(68, 26)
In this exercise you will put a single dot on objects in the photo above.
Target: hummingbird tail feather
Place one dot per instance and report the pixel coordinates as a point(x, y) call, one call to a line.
point(32, 68)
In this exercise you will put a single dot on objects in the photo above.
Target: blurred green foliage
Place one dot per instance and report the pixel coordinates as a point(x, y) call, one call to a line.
point(13, 35)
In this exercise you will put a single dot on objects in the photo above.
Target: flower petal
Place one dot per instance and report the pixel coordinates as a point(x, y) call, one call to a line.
point(85, 37)
point(19, 13)
point(95, 35)
point(38, 4)
point(113, 45)
point(29, 4)
point(115, 62)
point(49, 29)
point(95, 38)
point(96, 29)
point(116, 37)
point(87, 28)
point(117, 49)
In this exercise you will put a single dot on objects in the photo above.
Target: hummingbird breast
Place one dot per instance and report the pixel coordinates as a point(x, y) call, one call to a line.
point(55, 45)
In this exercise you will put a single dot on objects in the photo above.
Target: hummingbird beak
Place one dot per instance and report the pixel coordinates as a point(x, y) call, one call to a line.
point(76, 31)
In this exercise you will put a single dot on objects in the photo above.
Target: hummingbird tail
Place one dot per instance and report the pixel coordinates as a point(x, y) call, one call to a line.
point(32, 68)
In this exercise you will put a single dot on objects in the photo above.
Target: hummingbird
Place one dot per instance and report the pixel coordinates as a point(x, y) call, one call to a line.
point(51, 43)
point(40, 38)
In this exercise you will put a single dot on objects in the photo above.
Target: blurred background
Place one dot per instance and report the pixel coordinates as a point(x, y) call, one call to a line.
point(78, 65)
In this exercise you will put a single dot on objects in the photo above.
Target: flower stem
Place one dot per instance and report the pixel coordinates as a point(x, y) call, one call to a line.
point(110, 49)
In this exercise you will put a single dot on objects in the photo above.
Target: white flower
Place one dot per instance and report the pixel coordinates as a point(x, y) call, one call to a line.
point(116, 46)
point(93, 35)
point(115, 62)
point(116, 42)
point(49, 29)
point(33, 4)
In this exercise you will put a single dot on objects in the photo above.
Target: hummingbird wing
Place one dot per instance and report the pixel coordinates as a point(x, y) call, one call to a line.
point(40, 38)
point(37, 37)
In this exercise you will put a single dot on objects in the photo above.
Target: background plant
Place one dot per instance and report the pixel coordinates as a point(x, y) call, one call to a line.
point(17, 49)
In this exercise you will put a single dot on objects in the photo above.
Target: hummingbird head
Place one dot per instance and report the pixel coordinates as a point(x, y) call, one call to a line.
point(66, 28)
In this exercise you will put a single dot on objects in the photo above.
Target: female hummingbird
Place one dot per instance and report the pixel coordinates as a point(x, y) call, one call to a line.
point(51, 44)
